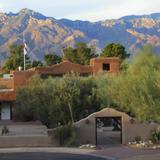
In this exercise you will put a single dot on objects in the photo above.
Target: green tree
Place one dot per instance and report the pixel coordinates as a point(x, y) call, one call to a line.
point(56, 100)
point(39, 103)
point(51, 59)
point(114, 50)
point(81, 54)
point(37, 63)
point(16, 58)
point(136, 90)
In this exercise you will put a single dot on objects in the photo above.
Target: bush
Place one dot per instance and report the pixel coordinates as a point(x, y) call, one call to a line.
point(44, 99)
point(4, 131)
point(66, 135)
point(136, 90)
point(1, 75)
point(138, 139)
point(155, 136)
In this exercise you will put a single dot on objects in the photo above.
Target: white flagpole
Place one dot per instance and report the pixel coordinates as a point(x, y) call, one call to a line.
point(24, 62)
point(24, 54)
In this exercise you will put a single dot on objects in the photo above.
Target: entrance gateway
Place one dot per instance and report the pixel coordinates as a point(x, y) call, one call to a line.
point(108, 130)
point(110, 126)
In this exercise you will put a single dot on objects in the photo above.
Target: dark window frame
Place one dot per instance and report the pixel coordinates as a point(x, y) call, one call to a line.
point(106, 66)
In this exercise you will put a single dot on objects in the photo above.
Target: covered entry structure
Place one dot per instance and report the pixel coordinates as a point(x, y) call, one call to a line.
point(110, 126)
point(108, 130)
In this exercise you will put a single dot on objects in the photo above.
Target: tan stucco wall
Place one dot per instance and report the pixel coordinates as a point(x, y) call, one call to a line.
point(142, 130)
point(21, 77)
point(7, 96)
point(7, 83)
point(25, 141)
point(130, 130)
point(97, 64)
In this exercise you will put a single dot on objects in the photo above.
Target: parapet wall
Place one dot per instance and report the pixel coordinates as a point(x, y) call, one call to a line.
point(97, 64)
point(21, 77)
point(7, 83)
point(63, 68)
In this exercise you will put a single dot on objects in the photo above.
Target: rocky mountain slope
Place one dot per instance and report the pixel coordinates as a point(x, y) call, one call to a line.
point(46, 34)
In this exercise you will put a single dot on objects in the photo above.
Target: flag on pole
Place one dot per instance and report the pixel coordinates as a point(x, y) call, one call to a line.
point(25, 51)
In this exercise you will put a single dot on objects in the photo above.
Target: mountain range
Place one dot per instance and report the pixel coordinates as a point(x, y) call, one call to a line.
point(46, 34)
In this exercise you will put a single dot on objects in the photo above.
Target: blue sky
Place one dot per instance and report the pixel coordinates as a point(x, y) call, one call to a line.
point(92, 10)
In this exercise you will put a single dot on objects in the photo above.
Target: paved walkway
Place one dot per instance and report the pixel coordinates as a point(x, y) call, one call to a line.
point(145, 157)
point(124, 152)
point(46, 149)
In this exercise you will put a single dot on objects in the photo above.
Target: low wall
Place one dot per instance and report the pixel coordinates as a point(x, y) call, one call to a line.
point(26, 134)
point(25, 141)
point(142, 130)
point(131, 128)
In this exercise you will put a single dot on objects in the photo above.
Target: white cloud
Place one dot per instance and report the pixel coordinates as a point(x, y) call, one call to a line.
point(1, 7)
point(84, 9)
point(117, 9)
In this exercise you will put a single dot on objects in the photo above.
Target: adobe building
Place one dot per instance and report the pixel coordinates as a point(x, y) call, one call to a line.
point(97, 65)
point(10, 82)
point(109, 126)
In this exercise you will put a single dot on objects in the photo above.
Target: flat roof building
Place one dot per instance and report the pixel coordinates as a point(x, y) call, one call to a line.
point(10, 82)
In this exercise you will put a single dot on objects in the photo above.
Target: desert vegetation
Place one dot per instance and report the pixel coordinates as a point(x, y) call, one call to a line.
point(70, 98)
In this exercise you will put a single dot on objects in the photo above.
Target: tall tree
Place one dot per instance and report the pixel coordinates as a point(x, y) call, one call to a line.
point(16, 58)
point(36, 63)
point(51, 59)
point(136, 90)
point(114, 50)
point(81, 54)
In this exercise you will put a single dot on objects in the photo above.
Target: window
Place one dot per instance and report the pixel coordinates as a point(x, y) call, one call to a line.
point(106, 66)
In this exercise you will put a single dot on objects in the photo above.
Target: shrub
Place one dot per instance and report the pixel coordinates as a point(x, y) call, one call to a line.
point(138, 139)
point(44, 99)
point(155, 136)
point(66, 135)
point(4, 131)
point(135, 90)
point(1, 75)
